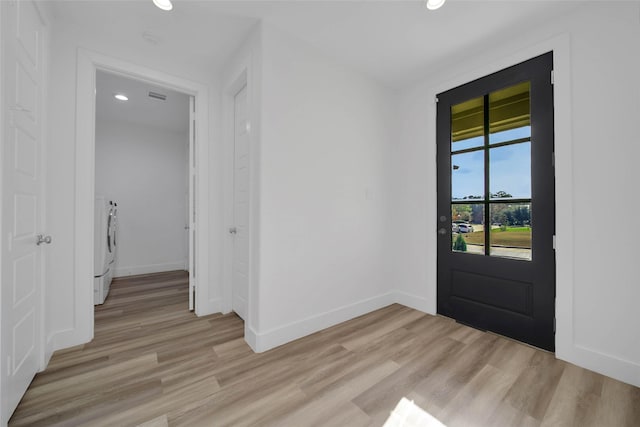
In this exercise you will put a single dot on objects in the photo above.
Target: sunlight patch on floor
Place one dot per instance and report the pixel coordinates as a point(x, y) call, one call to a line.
point(408, 414)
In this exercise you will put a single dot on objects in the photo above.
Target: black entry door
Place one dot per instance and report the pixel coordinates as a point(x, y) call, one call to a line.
point(496, 203)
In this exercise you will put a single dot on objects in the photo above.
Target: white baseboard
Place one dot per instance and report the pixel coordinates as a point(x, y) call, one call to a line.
point(251, 337)
point(263, 341)
point(605, 364)
point(212, 306)
point(413, 301)
point(67, 338)
point(146, 269)
point(240, 307)
point(48, 352)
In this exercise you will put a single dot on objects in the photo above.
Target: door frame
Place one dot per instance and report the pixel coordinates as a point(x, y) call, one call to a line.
point(480, 67)
point(239, 84)
point(534, 278)
point(241, 73)
point(88, 64)
point(230, 90)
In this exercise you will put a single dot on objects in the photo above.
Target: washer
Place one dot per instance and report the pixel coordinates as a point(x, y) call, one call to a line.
point(113, 228)
point(104, 250)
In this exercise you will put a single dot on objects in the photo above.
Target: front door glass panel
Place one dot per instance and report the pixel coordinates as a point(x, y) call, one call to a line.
point(510, 171)
point(467, 233)
point(491, 174)
point(467, 175)
point(510, 231)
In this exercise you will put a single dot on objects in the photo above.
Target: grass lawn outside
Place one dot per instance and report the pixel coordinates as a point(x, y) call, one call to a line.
point(514, 237)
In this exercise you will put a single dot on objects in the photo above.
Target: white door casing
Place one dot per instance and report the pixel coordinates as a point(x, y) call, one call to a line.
point(22, 200)
point(241, 194)
point(191, 249)
point(88, 63)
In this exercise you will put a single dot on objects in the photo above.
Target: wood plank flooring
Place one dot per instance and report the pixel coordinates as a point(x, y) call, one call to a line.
point(153, 363)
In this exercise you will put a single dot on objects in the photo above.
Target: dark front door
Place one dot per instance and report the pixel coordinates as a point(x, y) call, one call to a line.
point(496, 208)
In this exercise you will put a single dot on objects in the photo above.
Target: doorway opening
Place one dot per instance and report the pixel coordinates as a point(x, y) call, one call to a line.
point(89, 63)
point(143, 183)
point(496, 203)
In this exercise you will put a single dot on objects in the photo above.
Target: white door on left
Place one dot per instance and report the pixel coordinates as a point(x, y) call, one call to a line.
point(22, 198)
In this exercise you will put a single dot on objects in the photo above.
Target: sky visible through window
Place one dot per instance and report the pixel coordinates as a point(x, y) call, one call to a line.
point(510, 166)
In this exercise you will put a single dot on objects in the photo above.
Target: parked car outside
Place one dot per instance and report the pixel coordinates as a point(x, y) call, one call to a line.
point(454, 227)
point(465, 228)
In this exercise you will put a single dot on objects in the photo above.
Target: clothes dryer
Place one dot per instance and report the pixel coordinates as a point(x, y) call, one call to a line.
point(103, 252)
point(113, 231)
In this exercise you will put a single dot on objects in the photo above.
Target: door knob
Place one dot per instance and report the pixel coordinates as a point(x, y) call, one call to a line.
point(233, 230)
point(40, 239)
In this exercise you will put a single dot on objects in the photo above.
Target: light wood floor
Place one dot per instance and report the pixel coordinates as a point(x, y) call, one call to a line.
point(153, 362)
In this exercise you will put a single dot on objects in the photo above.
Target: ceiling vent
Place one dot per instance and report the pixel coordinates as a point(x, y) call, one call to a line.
point(157, 95)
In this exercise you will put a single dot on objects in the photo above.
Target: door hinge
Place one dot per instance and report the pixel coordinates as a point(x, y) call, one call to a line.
point(554, 242)
point(436, 99)
point(553, 77)
point(554, 325)
point(553, 159)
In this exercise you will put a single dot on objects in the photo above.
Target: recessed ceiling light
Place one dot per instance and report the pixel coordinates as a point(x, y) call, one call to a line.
point(121, 97)
point(163, 4)
point(433, 4)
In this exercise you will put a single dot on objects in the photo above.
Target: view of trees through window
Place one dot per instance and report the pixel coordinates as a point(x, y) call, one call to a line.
point(491, 174)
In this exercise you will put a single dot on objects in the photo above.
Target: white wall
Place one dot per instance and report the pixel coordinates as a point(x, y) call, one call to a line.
point(598, 101)
point(144, 170)
point(63, 316)
point(324, 166)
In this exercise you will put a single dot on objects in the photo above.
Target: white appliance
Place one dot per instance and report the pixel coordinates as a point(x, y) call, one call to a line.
point(104, 254)
point(113, 227)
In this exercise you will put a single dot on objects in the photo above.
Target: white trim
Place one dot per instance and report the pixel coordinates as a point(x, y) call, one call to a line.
point(46, 351)
point(65, 338)
point(4, 417)
point(240, 306)
point(263, 341)
point(211, 306)
point(607, 364)
point(236, 83)
point(88, 63)
point(147, 269)
point(414, 301)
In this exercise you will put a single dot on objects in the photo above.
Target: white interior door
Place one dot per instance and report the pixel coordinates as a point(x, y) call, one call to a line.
point(22, 32)
point(240, 229)
point(192, 203)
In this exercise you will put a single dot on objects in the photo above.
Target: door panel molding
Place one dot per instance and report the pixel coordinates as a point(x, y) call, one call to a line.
point(23, 137)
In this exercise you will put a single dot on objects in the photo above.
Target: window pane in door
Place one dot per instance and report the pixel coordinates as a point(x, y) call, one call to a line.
point(510, 230)
point(467, 233)
point(510, 171)
point(467, 176)
point(510, 113)
point(467, 124)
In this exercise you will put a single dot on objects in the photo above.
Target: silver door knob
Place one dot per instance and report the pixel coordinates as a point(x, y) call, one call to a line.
point(233, 230)
point(40, 239)
point(442, 231)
